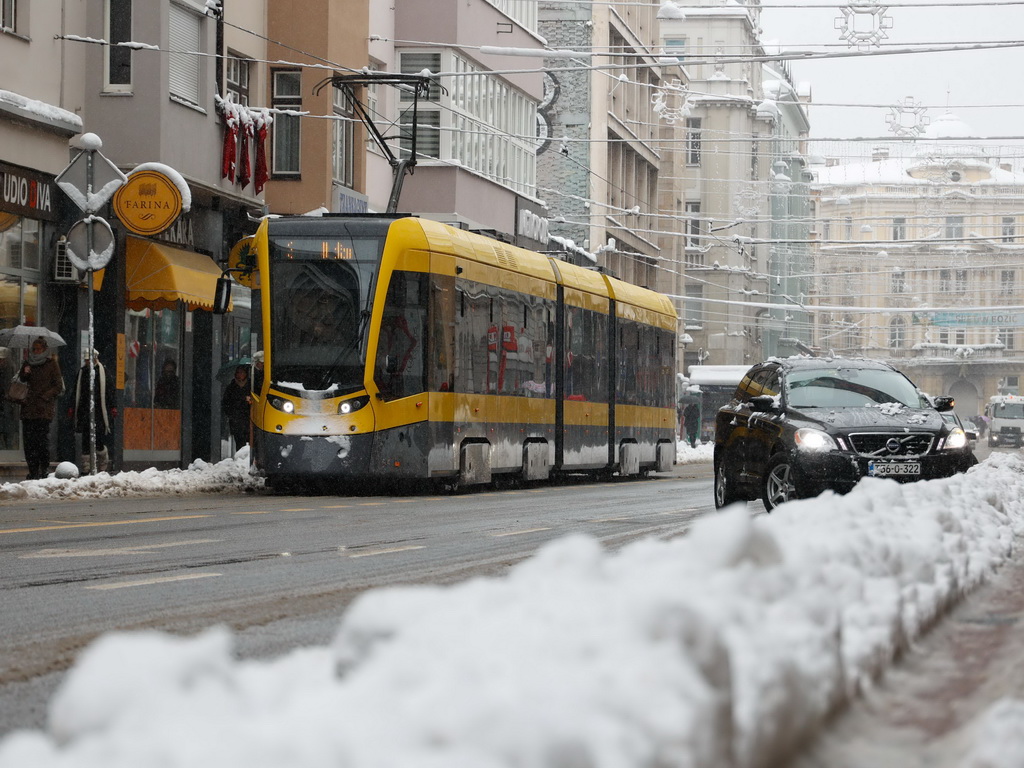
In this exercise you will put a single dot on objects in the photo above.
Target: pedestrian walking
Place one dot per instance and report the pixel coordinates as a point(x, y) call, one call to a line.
point(41, 373)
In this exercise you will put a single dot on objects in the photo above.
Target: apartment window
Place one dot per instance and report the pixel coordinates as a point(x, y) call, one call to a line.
point(343, 139)
point(1007, 280)
point(945, 281)
point(693, 130)
point(9, 15)
point(848, 227)
point(960, 338)
point(1007, 337)
point(286, 94)
point(1009, 229)
point(676, 46)
point(693, 225)
point(961, 282)
point(954, 227)
point(693, 311)
point(185, 28)
point(428, 134)
point(899, 281)
point(238, 72)
point(944, 336)
point(899, 229)
point(897, 333)
point(117, 62)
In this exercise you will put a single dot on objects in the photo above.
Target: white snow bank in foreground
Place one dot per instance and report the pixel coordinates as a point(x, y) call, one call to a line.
point(720, 648)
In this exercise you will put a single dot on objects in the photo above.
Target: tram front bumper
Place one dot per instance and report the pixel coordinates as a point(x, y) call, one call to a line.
point(313, 456)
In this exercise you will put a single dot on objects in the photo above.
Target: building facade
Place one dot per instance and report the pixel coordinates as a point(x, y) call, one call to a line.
point(917, 261)
point(151, 81)
point(599, 164)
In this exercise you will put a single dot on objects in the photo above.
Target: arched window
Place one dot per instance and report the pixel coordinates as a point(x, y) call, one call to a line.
point(897, 333)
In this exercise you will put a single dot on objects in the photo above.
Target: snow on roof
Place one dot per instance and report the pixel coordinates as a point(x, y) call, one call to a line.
point(722, 375)
point(40, 111)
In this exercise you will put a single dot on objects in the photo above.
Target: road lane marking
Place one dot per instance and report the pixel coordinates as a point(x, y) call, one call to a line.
point(298, 509)
point(391, 550)
point(256, 512)
point(142, 549)
point(519, 533)
point(97, 525)
point(336, 506)
point(150, 582)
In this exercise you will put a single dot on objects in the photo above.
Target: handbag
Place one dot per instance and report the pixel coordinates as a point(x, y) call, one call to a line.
point(17, 391)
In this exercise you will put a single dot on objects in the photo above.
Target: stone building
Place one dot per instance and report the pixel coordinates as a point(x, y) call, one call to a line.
point(918, 261)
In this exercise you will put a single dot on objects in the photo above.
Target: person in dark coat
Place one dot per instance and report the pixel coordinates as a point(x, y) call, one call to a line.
point(167, 386)
point(42, 374)
point(235, 405)
point(691, 423)
point(104, 413)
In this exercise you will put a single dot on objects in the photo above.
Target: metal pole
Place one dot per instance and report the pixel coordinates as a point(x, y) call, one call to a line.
point(88, 277)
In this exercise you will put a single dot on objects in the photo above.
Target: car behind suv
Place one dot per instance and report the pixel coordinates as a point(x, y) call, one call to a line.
point(802, 425)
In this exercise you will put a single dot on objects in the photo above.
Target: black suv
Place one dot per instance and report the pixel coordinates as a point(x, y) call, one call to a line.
point(802, 425)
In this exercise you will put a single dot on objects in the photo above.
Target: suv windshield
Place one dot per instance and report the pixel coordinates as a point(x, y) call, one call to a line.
point(849, 388)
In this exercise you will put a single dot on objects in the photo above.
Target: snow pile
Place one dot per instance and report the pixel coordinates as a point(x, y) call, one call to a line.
point(721, 648)
point(703, 453)
point(229, 475)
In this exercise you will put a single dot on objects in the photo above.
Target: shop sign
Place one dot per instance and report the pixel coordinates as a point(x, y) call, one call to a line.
point(27, 193)
point(148, 203)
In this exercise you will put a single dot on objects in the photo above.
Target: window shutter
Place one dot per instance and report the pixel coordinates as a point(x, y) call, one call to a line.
point(184, 66)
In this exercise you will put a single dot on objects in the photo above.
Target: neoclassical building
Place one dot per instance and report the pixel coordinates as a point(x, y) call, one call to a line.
point(917, 259)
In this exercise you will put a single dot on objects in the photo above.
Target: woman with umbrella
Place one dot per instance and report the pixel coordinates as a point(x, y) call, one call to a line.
point(42, 375)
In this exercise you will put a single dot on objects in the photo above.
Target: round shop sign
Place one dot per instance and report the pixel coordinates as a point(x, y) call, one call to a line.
point(148, 203)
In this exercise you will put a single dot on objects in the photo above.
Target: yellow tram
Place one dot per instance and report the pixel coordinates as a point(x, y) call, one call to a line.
point(398, 348)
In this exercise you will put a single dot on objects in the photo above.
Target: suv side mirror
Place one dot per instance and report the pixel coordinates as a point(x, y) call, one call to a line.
point(762, 403)
point(943, 404)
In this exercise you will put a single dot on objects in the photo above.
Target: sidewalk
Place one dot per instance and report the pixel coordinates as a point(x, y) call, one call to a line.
point(922, 712)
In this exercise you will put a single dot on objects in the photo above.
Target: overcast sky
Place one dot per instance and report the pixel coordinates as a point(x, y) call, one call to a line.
point(972, 82)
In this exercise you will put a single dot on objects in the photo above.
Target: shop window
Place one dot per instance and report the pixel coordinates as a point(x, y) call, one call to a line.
point(152, 392)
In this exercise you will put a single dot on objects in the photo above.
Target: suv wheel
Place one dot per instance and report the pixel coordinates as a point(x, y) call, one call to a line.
point(780, 482)
point(725, 493)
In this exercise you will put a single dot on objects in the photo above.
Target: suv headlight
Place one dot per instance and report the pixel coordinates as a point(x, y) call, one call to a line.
point(956, 440)
point(814, 440)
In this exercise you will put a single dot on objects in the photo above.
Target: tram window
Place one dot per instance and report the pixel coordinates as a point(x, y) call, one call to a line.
point(399, 368)
point(441, 341)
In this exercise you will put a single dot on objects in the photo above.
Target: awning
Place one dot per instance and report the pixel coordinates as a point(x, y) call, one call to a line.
point(158, 276)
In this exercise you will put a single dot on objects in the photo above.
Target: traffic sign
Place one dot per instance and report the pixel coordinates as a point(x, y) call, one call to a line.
point(90, 180)
point(79, 252)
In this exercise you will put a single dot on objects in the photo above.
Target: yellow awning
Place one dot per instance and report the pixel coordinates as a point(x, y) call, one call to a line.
point(159, 275)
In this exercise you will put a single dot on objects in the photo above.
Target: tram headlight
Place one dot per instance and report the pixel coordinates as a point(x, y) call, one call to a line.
point(350, 406)
point(282, 405)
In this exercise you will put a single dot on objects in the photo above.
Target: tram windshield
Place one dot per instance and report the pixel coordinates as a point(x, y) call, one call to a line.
point(321, 293)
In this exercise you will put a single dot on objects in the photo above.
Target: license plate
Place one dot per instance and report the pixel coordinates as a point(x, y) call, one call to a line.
point(894, 468)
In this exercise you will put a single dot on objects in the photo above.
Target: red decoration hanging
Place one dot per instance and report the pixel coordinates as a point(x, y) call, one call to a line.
point(263, 121)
